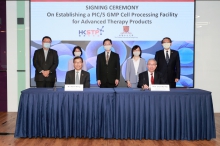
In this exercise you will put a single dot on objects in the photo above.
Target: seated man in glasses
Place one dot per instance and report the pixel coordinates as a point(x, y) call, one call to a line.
point(149, 77)
point(78, 76)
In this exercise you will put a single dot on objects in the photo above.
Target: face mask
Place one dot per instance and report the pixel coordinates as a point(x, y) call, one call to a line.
point(166, 45)
point(136, 53)
point(77, 53)
point(108, 47)
point(47, 45)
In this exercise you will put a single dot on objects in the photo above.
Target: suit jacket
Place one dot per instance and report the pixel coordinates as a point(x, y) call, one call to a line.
point(40, 64)
point(130, 70)
point(84, 78)
point(108, 73)
point(171, 70)
point(144, 79)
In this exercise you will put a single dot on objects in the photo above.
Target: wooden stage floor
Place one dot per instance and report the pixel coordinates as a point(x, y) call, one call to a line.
point(7, 128)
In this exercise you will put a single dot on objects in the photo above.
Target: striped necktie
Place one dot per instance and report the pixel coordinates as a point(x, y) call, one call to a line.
point(167, 57)
point(107, 58)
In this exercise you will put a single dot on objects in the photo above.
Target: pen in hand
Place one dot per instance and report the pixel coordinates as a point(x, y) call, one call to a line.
point(145, 87)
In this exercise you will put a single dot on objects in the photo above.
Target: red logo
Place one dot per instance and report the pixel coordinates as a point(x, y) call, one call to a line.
point(126, 32)
point(126, 29)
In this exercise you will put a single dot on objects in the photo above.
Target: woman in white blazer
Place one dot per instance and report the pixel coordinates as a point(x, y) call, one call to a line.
point(135, 66)
point(77, 51)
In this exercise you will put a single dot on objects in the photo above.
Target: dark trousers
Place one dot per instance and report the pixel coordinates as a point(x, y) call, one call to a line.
point(44, 84)
point(107, 85)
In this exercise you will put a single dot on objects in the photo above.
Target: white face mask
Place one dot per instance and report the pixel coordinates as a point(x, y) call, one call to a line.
point(77, 53)
point(108, 47)
point(46, 45)
point(136, 53)
point(166, 45)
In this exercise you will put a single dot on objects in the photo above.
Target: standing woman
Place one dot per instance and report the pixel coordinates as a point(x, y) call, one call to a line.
point(135, 66)
point(77, 51)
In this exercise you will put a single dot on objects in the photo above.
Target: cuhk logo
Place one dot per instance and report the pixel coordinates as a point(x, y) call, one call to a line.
point(126, 29)
point(126, 32)
point(92, 32)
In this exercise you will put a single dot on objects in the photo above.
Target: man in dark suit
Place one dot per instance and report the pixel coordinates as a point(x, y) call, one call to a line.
point(149, 77)
point(78, 76)
point(45, 61)
point(168, 63)
point(108, 67)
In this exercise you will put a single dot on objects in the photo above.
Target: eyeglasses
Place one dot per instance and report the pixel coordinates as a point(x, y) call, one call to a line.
point(151, 64)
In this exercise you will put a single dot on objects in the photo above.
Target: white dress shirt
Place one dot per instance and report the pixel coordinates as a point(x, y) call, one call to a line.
point(136, 65)
point(45, 53)
point(45, 56)
point(79, 73)
point(149, 78)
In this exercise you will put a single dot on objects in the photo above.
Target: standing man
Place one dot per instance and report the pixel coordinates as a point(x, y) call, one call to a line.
point(168, 63)
point(45, 61)
point(78, 76)
point(108, 67)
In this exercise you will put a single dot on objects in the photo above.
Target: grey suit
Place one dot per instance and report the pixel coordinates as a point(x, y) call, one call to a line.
point(130, 71)
point(84, 78)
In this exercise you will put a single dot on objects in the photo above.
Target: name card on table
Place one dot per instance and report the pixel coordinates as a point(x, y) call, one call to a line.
point(73, 87)
point(158, 87)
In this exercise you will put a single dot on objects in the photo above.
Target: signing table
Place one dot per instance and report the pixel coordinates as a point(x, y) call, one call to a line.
point(121, 113)
point(48, 113)
point(179, 114)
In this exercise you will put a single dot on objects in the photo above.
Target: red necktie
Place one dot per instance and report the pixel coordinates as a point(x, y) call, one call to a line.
point(152, 79)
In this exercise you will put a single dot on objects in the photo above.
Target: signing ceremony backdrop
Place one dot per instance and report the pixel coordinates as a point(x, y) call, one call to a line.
point(126, 22)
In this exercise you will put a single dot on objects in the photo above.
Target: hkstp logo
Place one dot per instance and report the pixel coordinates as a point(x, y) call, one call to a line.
point(91, 32)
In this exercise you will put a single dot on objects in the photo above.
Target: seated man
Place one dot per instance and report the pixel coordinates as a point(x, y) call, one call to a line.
point(78, 76)
point(149, 77)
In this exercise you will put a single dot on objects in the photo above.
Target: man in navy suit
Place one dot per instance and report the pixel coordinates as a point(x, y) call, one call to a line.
point(168, 63)
point(45, 61)
point(149, 77)
point(108, 67)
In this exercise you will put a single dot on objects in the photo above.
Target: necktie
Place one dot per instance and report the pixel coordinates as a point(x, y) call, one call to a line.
point(167, 57)
point(77, 78)
point(152, 79)
point(107, 58)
